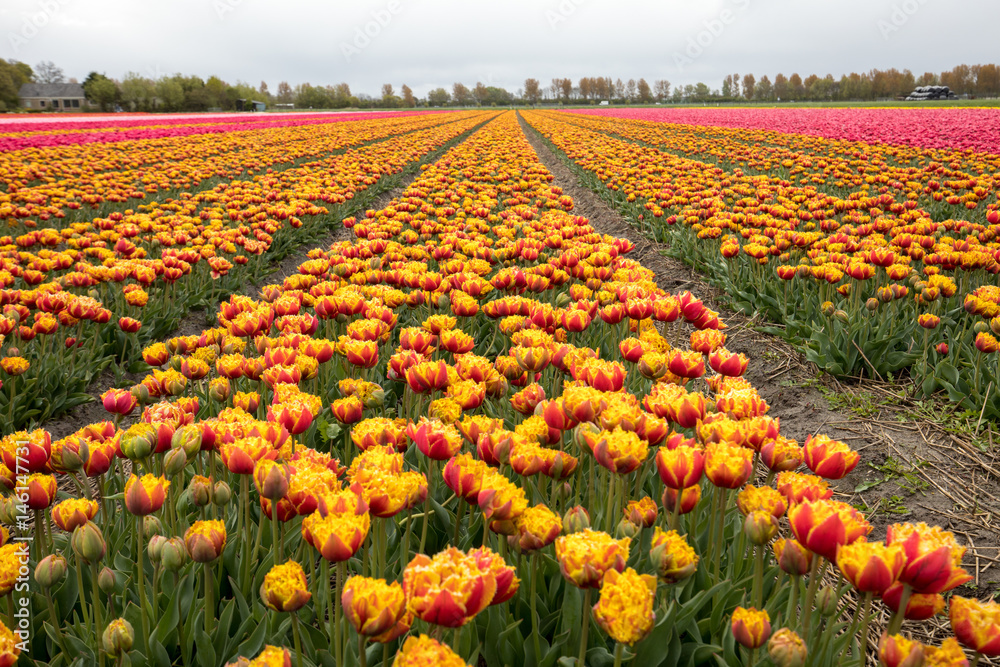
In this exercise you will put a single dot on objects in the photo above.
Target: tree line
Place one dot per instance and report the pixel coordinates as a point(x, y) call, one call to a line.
point(138, 92)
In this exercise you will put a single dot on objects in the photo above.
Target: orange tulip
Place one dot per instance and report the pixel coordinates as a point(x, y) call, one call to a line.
point(145, 495)
point(870, 566)
point(829, 458)
point(933, 557)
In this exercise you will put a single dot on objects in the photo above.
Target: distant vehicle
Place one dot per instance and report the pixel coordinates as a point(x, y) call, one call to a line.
point(604, 103)
point(922, 93)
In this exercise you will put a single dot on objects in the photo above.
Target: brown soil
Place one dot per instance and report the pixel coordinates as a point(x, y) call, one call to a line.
point(927, 473)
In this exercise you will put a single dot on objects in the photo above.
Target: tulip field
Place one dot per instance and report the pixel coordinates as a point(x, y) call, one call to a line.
point(469, 430)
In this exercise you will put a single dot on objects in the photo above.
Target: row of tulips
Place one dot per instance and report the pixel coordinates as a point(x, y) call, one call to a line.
point(865, 283)
point(963, 129)
point(45, 186)
point(476, 432)
point(85, 133)
point(100, 290)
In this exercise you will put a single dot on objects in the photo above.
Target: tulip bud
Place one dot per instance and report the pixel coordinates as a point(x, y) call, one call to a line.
point(106, 580)
point(443, 301)
point(8, 511)
point(828, 308)
point(173, 554)
point(137, 443)
point(187, 438)
point(941, 348)
point(627, 529)
point(842, 316)
point(792, 557)
point(222, 494)
point(88, 543)
point(980, 327)
point(140, 393)
point(50, 571)
point(827, 601)
point(176, 362)
point(271, 479)
point(562, 300)
point(156, 547)
point(174, 461)
point(200, 490)
point(760, 527)
point(118, 638)
point(787, 649)
point(871, 304)
point(576, 520)
point(151, 525)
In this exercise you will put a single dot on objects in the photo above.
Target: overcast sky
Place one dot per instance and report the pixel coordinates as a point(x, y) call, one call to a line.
point(431, 43)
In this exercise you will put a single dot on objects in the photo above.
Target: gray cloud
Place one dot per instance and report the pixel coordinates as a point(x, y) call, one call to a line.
point(430, 43)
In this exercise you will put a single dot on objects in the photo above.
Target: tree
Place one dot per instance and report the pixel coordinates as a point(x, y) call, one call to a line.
point(795, 87)
point(137, 91)
point(408, 100)
point(47, 72)
point(263, 90)
point(764, 90)
point(388, 91)
point(619, 89)
point(13, 75)
point(749, 81)
point(780, 86)
point(566, 88)
point(727, 86)
point(532, 90)
point(438, 97)
point(661, 89)
point(988, 80)
point(284, 93)
point(104, 92)
point(630, 90)
point(928, 79)
point(169, 94)
point(642, 89)
point(460, 93)
point(481, 93)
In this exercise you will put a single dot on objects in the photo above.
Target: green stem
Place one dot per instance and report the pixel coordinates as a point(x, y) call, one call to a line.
point(275, 540)
point(534, 614)
point(79, 587)
point(793, 599)
point(180, 623)
point(209, 605)
point(298, 642)
point(247, 557)
point(458, 520)
point(325, 574)
point(897, 619)
point(816, 572)
point(54, 619)
point(582, 661)
point(98, 611)
point(758, 577)
point(140, 531)
point(865, 619)
point(618, 654)
point(338, 645)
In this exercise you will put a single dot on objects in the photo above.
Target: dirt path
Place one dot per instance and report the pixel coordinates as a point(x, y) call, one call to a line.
point(909, 471)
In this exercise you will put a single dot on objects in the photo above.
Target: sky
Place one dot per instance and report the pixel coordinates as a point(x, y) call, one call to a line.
point(430, 43)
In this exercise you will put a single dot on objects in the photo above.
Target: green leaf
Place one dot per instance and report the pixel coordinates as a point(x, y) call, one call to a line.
point(252, 646)
point(167, 622)
point(157, 653)
point(206, 651)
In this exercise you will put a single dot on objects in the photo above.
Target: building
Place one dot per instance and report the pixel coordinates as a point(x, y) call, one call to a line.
point(54, 97)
